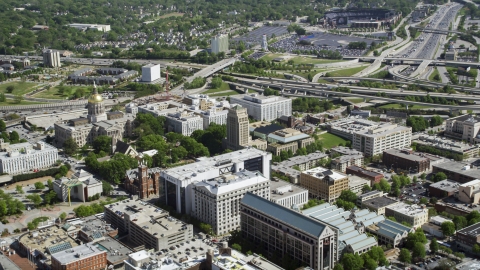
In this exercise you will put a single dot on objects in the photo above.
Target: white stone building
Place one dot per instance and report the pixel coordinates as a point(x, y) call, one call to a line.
point(374, 140)
point(287, 194)
point(184, 122)
point(217, 201)
point(264, 108)
point(51, 58)
point(414, 215)
point(214, 116)
point(26, 157)
point(150, 73)
point(82, 185)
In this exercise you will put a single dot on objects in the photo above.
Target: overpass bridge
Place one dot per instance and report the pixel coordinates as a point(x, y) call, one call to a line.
point(436, 31)
point(212, 69)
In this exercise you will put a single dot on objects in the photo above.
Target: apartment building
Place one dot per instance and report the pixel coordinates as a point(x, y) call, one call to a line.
point(325, 184)
point(287, 194)
point(217, 201)
point(378, 204)
point(83, 257)
point(264, 108)
point(343, 151)
point(282, 231)
point(51, 58)
point(343, 162)
point(356, 184)
point(465, 149)
point(376, 139)
point(148, 226)
point(414, 215)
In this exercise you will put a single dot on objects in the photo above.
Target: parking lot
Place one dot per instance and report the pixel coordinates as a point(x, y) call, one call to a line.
point(257, 34)
point(414, 192)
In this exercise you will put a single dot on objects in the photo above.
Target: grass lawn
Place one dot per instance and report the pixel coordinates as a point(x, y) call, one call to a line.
point(222, 87)
point(432, 76)
point(399, 106)
point(227, 93)
point(10, 102)
point(52, 93)
point(20, 88)
point(301, 59)
point(355, 100)
point(329, 140)
point(323, 81)
point(346, 72)
point(271, 56)
point(174, 14)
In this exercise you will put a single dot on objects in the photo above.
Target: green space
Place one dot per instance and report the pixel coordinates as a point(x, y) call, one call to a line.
point(19, 88)
point(227, 93)
point(323, 81)
point(223, 87)
point(346, 72)
point(300, 59)
point(53, 93)
point(435, 76)
point(11, 102)
point(401, 106)
point(329, 140)
point(355, 100)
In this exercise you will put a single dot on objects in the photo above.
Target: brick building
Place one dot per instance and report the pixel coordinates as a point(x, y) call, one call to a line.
point(84, 257)
point(442, 189)
point(407, 160)
point(467, 237)
point(143, 182)
point(372, 176)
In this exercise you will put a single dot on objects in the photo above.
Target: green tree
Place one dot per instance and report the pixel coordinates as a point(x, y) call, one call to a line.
point(39, 185)
point(352, 261)
point(51, 197)
point(366, 188)
point(338, 266)
point(3, 126)
point(3, 98)
point(14, 137)
point(31, 226)
point(405, 256)
point(370, 264)
point(423, 176)
point(460, 222)
point(418, 250)
point(237, 247)
point(448, 228)
point(439, 176)
point(35, 199)
point(434, 245)
point(476, 249)
point(19, 189)
point(107, 188)
point(63, 170)
point(50, 184)
point(206, 228)
point(423, 200)
point(63, 216)
point(10, 89)
point(18, 99)
point(102, 143)
point(70, 146)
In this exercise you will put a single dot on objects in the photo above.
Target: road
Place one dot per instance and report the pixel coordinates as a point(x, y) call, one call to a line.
point(443, 74)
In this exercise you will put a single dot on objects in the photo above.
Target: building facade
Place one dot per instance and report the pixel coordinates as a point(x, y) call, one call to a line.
point(83, 257)
point(143, 182)
point(51, 58)
point(217, 201)
point(264, 108)
point(184, 122)
point(150, 72)
point(287, 139)
point(467, 237)
point(375, 140)
point(237, 128)
point(469, 192)
point(370, 175)
point(406, 160)
point(464, 127)
point(25, 157)
point(288, 195)
point(414, 215)
point(282, 231)
point(324, 183)
point(219, 44)
point(343, 162)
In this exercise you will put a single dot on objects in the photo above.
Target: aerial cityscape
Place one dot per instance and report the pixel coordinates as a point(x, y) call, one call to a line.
point(255, 135)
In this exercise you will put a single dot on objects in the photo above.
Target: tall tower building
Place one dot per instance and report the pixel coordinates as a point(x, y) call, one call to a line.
point(96, 107)
point(51, 58)
point(237, 128)
point(264, 43)
point(219, 43)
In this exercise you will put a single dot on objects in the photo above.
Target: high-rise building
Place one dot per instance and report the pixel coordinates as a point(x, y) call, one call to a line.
point(219, 44)
point(150, 73)
point(374, 140)
point(237, 128)
point(51, 58)
point(264, 43)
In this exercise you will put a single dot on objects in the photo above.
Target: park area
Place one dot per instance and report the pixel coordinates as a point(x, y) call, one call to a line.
point(330, 140)
point(300, 60)
point(68, 91)
point(17, 88)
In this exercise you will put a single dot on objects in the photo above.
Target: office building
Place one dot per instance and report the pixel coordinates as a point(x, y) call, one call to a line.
point(343, 151)
point(356, 184)
point(26, 157)
point(444, 188)
point(264, 108)
point(184, 122)
point(467, 237)
point(85, 26)
point(469, 192)
point(465, 150)
point(351, 236)
point(405, 160)
point(282, 231)
point(216, 201)
point(176, 184)
point(374, 140)
point(388, 233)
point(303, 162)
point(412, 214)
point(143, 182)
point(51, 58)
point(324, 183)
point(85, 130)
point(82, 186)
point(83, 257)
point(215, 116)
point(287, 139)
point(374, 177)
point(150, 72)
point(378, 204)
point(461, 172)
point(219, 44)
point(287, 194)
point(264, 43)
point(361, 113)
point(346, 127)
point(237, 128)
point(367, 196)
point(147, 226)
point(341, 163)
point(463, 127)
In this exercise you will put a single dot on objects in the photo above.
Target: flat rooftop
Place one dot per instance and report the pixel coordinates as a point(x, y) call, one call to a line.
point(77, 253)
point(256, 98)
point(346, 150)
point(446, 185)
point(463, 168)
point(383, 130)
point(354, 181)
point(379, 202)
point(472, 230)
point(297, 160)
point(445, 143)
point(116, 251)
point(230, 182)
point(281, 189)
point(406, 154)
point(320, 173)
point(363, 171)
point(406, 209)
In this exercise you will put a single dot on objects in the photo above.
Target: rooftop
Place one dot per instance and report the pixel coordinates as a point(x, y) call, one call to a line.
point(116, 251)
point(354, 181)
point(345, 150)
point(370, 193)
point(297, 160)
point(473, 183)
point(383, 130)
point(406, 154)
point(363, 171)
point(406, 209)
point(77, 253)
point(446, 185)
point(379, 202)
point(321, 173)
point(463, 168)
point(230, 182)
point(281, 189)
point(473, 230)
point(283, 214)
point(347, 158)
point(445, 143)
point(256, 98)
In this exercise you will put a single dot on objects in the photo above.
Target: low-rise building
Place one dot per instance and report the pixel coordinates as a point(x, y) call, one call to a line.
point(378, 204)
point(356, 184)
point(26, 157)
point(343, 162)
point(389, 232)
point(303, 163)
point(324, 183)
point(370, 175)
point(442, 189)
point(361, 113)
point(83, 257)
point(405, 160)
point(412, 214)
point(287, 139)
point(343, 150)
point(264, 108)
point(469, 192)
point(466, 150)
point(82, 186)
point(287, 194)
point(367, 196)
point(467, 237)
point(461, 172)
point(184, 122)
point(434, 226)
point(216, 201)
